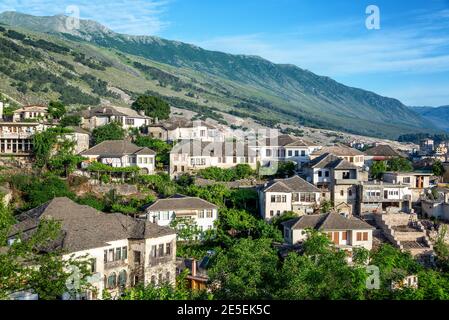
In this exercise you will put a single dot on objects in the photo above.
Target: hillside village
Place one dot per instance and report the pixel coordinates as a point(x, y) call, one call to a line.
point(148, 193)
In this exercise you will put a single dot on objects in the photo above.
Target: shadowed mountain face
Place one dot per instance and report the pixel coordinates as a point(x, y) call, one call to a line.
point(439, 117)
point(246, 85)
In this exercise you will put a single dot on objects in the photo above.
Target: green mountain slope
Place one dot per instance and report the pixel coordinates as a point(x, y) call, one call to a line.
point(202, 80)
point(439, 116)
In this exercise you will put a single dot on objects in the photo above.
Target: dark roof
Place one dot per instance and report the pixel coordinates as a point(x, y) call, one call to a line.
point(108, 111)
point(284, 140)
point(340, 150)
point(117, 148)
point(214, 149)
point(180, 202)
point(294, 184)
point(78, 130)
point(331, 161)
point(383, 150)
point(177, 122)
point(86, 228)
point(329, 221)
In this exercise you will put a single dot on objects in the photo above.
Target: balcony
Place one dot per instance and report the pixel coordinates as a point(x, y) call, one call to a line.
point(115, 264)
point(160, 260)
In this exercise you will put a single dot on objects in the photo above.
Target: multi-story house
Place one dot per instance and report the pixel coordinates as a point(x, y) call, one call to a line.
point(123, 251)
point(380, 197)
point(382, 152)
point(338, 177)
point(351, 155)
point(193, 155)
point(284, 148)
point(16, 136)
point(30, 113)
point(417, 182)
point(176, 129)
point(201, 212)
point(126, 117)
point(80, 137)
point(291, 194)
point(346, 233)
point(121, 154)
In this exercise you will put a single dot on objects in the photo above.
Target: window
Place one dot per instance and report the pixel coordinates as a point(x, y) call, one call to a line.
point(105, 256)
point(168, 249)
point(201, 214)
point(122, 276)
point(271, 213)
point(284, 199)
point(326, 174)
point(118, 254)
point(296, 153)
point(406, 180)
point(154, 251)
point(295, 197)
point(345, 236)
point(279, 199)
point(290, 153)
point(273, 199)
point(342, 193)
point(137, 257)
point(112, 281)
point(93, 265)
point(268, 153)
point(161, 250)
point(350, 192)
point(365, 236)
point(209, 214)
point(166, 215)
point(125, 253)
point(359, 236)
point(303, 153)
point(111, 255)
point(320, 173)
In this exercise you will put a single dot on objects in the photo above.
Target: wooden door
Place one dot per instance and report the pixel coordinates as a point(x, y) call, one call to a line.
point(337, 237)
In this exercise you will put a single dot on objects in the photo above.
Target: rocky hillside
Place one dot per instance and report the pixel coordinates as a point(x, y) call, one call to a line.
point(42, 58)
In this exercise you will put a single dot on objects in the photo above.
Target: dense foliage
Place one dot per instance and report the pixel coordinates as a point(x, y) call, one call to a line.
point(241, 171)
point(153, 107)
point(111, 131)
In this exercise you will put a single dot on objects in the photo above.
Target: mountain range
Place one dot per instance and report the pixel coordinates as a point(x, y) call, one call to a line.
point(46, 58)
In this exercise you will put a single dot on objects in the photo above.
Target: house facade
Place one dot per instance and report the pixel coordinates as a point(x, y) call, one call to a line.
point(164, 211)
point(30, 113)
point(193, 155)
point(128, 118)
point(291, 194)
point(123, 252)
point(349, 154)
point(176, 129)
point(284, 148)
point(346, 233)
point(121, 154)
point(380, 197)
point(80, 137)
point(417, 182)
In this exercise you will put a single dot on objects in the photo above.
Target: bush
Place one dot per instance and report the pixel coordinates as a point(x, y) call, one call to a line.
point(111, 131)
point(241, 171)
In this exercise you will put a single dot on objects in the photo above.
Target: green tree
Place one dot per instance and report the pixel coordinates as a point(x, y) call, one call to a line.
point(70, 121)
point(438, 168)
point(111, 131)
point(161, 148)
point(246, 271)
point(186, 228)
point(399, 165)
point(153, 107)
point(378, 169)
point(56, 109)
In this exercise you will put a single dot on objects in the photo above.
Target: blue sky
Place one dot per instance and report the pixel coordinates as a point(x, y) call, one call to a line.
point(408, 58)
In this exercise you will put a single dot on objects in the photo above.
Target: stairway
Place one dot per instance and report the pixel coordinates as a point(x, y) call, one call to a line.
point(406, 232)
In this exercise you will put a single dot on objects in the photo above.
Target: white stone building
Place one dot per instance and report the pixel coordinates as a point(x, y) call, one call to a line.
point(126, 117)
point(121, 154)
point(291, 194)
point(123, 252)
point(176, 129)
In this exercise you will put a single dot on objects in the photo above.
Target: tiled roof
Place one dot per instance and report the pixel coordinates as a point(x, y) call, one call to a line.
point(331, 161)
point(383, 150)
point(117, 148)
point(180, 202)
point(340, 150)
point(85, 228)
point(327, 222)
point(284, 140)
point(112, 111)
point(294, 184)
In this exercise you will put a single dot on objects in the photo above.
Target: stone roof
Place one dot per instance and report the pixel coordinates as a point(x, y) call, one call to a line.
point(286, 141)
point(86, 228)
point(117, 148)
point(78, 130)
point(331, 161)
point(213, 149)
point(327, 222)
point(289, 185)
point(108, 111)
point(178, 122)
point(340, 150)
point(37, 108)
point(181, 202)
point(383, 150)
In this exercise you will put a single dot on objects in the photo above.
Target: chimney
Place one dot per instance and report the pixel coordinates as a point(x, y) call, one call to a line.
point(142, 113)
point(1, 110)
point(193, 268)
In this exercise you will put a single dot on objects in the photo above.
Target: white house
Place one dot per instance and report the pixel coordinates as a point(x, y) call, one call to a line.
point(121, 154)
point(346, 233)
point(175, 129)
point(193, 155)
point(126, 117)
point(202, 212)
point(291, 194)
point(349, 154)
point(123, 252)
point(80, 137)
point(30, 113)
point(284, 148)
